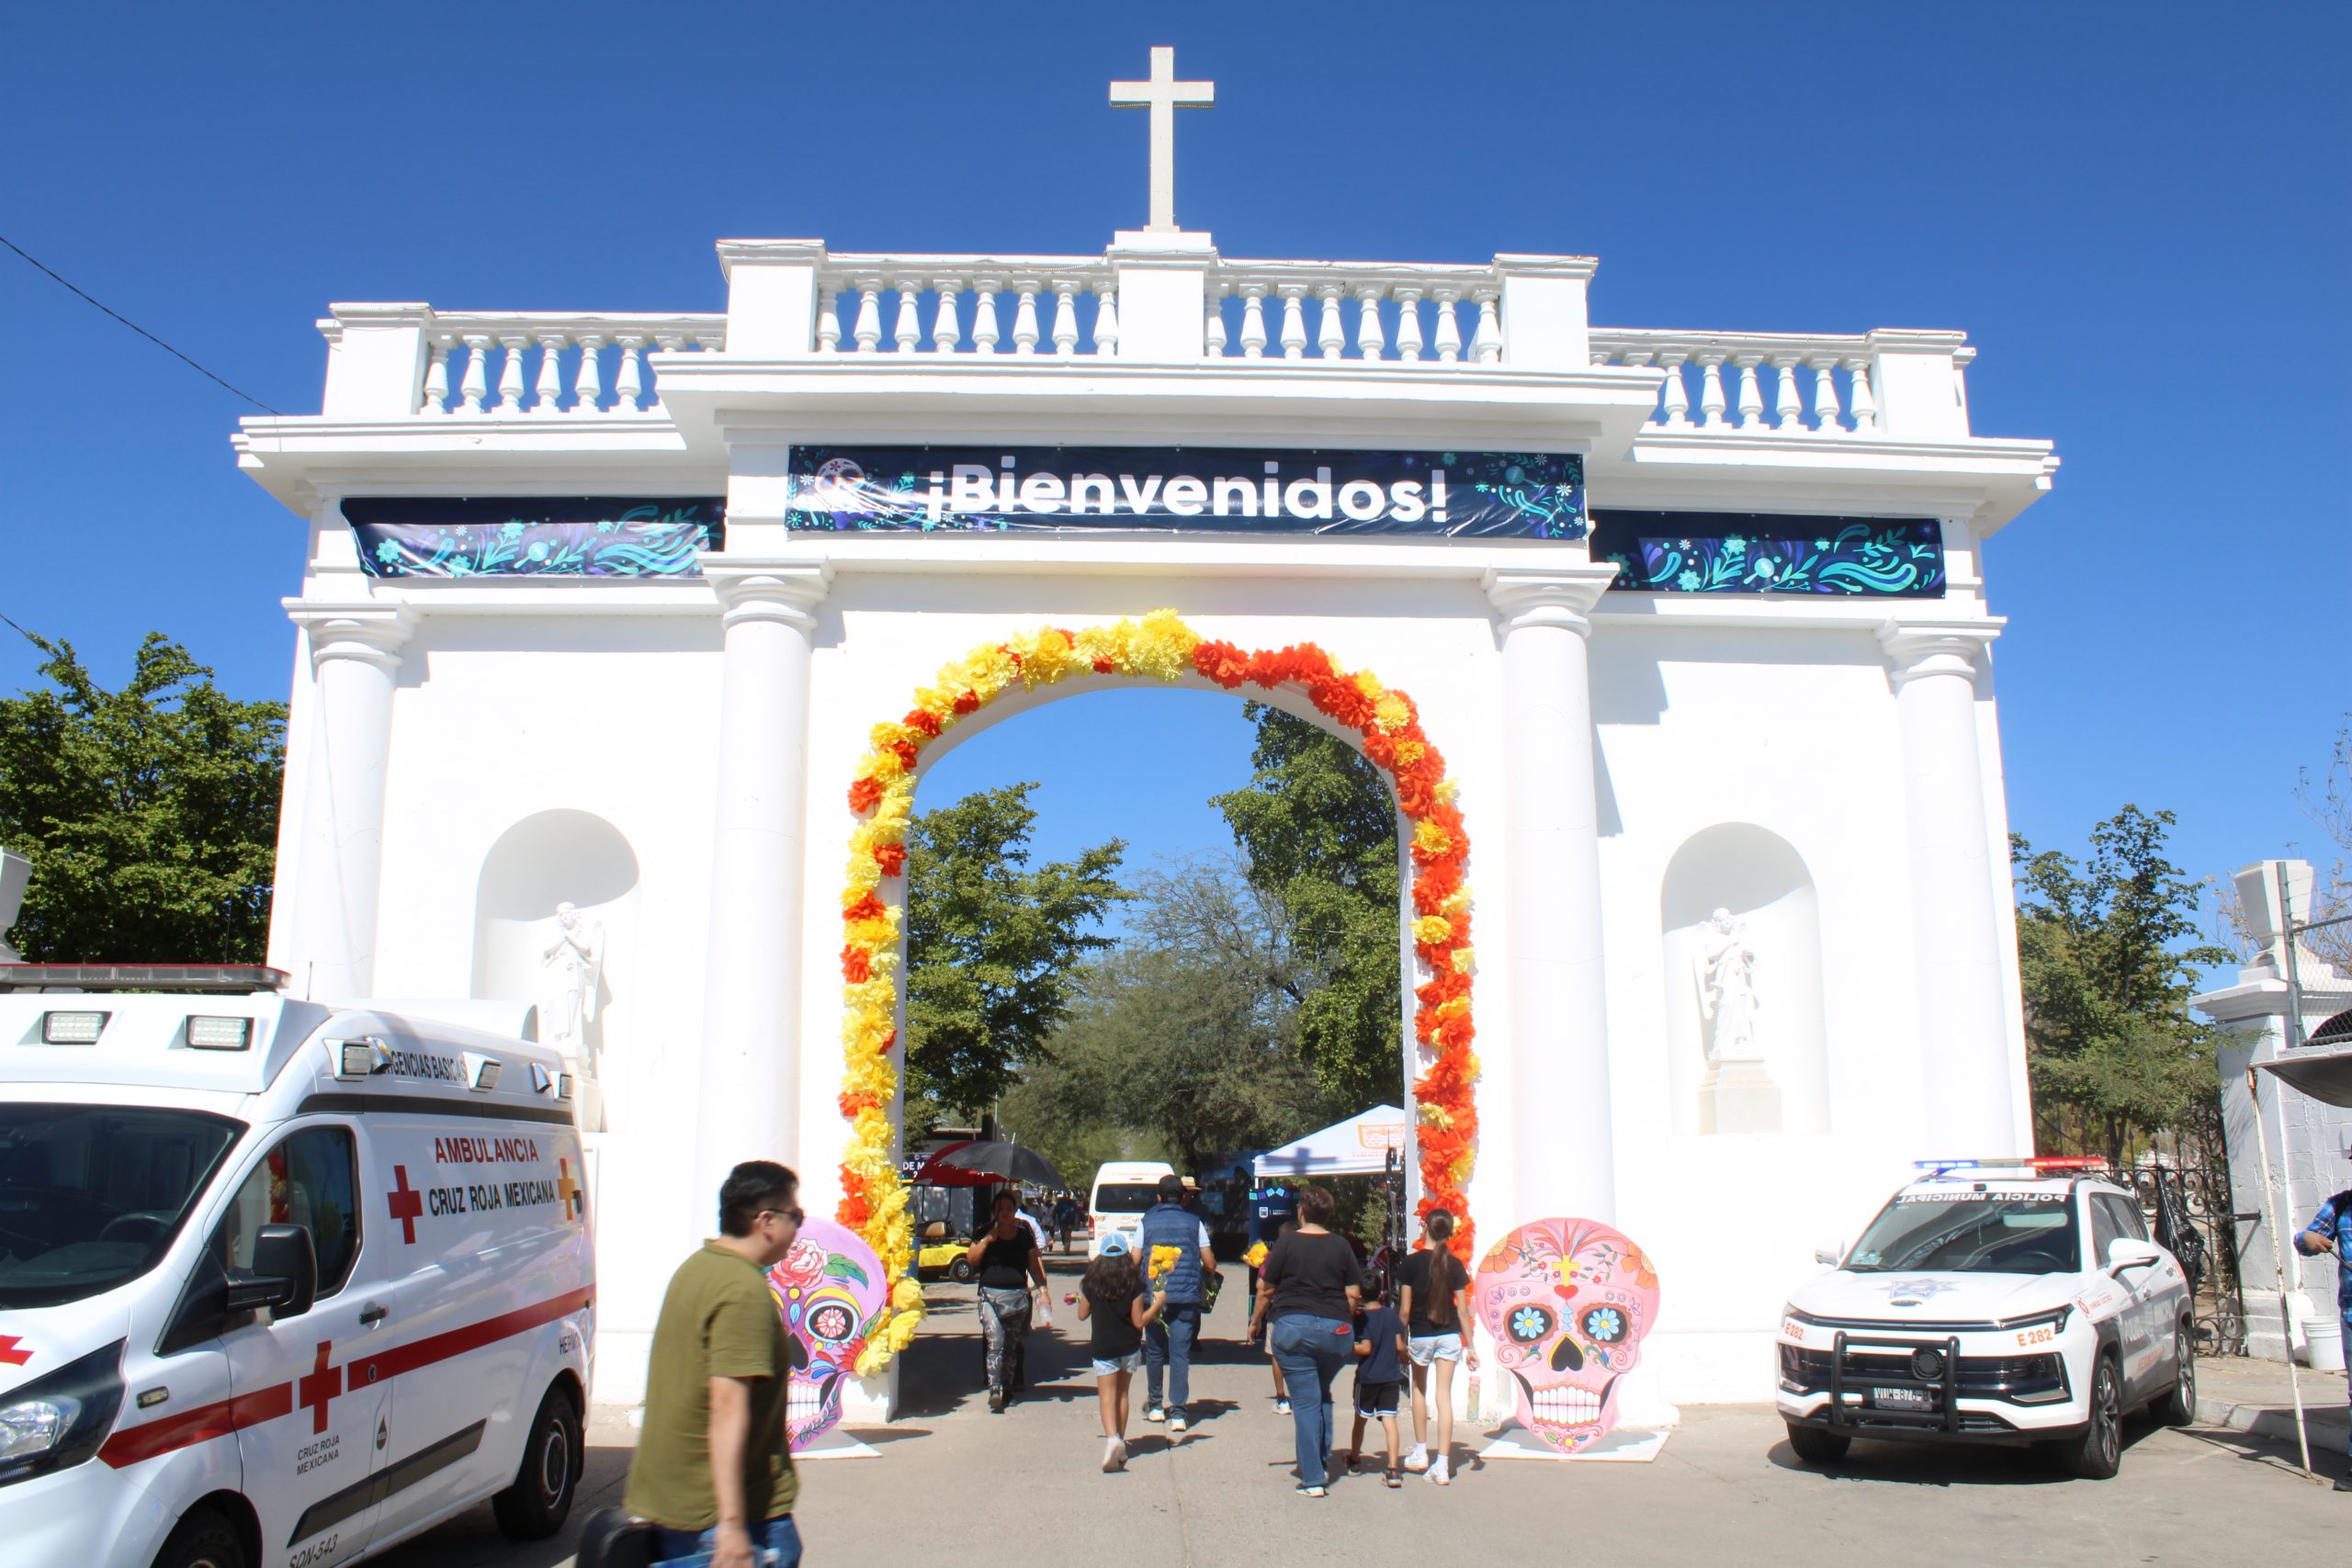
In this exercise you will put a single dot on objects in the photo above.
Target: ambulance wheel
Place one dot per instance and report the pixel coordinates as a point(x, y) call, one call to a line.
point(2178, 1408)
point(960, 1270)
point(2098, 1454)
point(536, 1505)
point(204, 1540)
point(1814, 1446)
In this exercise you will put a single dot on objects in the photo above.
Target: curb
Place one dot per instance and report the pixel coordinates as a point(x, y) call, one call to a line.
point(2330, 1425)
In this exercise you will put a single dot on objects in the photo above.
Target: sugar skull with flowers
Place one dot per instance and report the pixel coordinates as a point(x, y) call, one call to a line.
point(1567, 1303)
point(827, 1290)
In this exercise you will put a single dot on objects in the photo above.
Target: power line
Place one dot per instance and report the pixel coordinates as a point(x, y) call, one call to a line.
point(134, 326)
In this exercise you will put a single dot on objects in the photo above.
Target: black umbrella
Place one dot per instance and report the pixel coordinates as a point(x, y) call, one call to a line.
point(1011, 1161)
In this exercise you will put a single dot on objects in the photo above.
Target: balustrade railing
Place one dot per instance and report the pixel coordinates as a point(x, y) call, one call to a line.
point(1754, 383)
point(544, 364)
point(1362, 311)
point(1059, 306)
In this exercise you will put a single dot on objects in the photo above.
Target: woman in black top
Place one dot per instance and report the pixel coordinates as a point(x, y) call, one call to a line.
point(1004, 1261)
point(1309, 1290)
point(1436, 1304)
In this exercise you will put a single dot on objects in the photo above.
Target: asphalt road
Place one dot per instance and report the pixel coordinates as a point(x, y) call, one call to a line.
point(955, 1485)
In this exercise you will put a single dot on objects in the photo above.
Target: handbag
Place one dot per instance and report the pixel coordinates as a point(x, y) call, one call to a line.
point(612, 1540)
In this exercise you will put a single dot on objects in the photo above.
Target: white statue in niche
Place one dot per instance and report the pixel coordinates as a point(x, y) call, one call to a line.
point(1727, 989)
point(575, 962)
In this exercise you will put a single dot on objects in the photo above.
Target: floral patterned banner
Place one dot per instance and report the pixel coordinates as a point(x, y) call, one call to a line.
point(535, 535)
point(1723, 552)
point(1196, 489)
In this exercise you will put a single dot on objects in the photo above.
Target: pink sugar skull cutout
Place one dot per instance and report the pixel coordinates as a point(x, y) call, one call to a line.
point(1567, 1303)
point(827, 1290)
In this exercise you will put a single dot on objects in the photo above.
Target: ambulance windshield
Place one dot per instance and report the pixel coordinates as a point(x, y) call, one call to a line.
point(1975, 1231)
point(92, 1195)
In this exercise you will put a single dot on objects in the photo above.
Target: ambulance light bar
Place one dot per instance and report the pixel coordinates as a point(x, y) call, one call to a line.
point(72, 1028)
point(242, 978)
point(482, 1072)
point(361, 1058)
point(219, 1034)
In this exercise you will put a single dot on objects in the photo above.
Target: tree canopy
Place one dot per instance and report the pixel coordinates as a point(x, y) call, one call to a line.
point(149, 813)
point(991, 948)
point(2114, 1054)
point(1318, 833)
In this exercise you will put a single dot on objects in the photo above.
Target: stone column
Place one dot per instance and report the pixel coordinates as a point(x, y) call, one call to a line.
point(1559, 1045)
point(749, 1101)
point(355, 659)
point(1967, 1077)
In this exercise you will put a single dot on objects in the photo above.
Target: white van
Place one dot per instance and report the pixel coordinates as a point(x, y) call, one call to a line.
point(1123, 1190)
point(280, 1283)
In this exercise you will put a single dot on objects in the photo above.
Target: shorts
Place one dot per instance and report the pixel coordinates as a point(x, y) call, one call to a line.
point(1434, 1348)
point(1377, 1398)
point(1106, 1365)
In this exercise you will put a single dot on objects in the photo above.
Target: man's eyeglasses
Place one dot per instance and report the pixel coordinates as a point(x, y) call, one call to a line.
point(795, 1216)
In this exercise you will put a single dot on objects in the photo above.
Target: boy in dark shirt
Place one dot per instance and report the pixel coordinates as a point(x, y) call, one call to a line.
point(1380, 1373)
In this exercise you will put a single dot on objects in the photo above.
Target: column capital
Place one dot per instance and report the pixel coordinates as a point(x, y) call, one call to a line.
point(1921, 648)
point(1560, 595)
point(370, 631)
point(768, 588)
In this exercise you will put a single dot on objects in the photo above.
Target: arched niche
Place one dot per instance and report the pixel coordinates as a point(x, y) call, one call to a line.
point(1759, 877)
point(545, 861)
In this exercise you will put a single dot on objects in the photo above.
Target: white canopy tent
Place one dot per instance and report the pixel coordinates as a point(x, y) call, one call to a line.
point(1357, 1146)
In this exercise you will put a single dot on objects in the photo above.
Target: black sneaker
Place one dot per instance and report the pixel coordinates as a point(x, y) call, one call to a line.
point(2344, 1482)
point(996, 1402)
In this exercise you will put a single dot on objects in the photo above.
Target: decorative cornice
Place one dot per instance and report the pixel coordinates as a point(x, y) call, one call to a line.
point(785, 589)
point(1562, 595)
point(1511, 264)
point(1916, 649)
point(770, 253)
point(365, 631)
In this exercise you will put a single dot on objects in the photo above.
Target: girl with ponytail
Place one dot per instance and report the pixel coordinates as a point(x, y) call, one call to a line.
point(1435, 1302)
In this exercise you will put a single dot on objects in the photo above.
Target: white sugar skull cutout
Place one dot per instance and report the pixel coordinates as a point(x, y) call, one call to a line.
point(827, 1290)
point(1567, 1303)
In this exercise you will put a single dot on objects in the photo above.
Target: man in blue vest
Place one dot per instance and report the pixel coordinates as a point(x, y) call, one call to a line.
point(1168, 1343)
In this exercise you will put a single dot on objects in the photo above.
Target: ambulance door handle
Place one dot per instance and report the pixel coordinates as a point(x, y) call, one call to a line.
point(373, 1314)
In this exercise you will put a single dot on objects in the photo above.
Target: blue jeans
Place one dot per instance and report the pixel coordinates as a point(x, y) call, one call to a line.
point(1168, 1344)
point(694, 1548)
point(1310, 1350)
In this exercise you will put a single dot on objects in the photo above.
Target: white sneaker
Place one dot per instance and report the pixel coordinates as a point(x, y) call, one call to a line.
point(1154, 1412)
point(1176, 1421)
point(1440, 1472)
point(1115, 1455)
point(1418, 1460)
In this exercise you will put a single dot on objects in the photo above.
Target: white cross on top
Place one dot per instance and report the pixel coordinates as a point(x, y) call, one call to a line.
point(1163, 95)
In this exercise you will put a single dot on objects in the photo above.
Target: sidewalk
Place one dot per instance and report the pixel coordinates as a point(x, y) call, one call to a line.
point(2242, 1395)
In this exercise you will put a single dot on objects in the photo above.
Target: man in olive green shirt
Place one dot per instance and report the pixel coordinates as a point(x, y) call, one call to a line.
point(713, 1469)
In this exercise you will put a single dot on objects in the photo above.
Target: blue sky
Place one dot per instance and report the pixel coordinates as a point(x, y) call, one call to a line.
point(2137, 212)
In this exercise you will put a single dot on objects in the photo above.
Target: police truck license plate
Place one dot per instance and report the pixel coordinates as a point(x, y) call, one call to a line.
point(1902, 1399)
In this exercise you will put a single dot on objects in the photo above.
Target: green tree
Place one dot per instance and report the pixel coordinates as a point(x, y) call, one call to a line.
point(991, 948)
point(1184, 1038)
point(2114, 1055)
point(1319, 830)
point(149, 813)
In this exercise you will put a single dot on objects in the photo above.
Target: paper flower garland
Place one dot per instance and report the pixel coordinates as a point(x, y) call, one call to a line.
point(1159, 647)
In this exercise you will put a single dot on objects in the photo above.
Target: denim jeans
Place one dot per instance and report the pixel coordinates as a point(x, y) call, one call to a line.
point(1168, 1346)
point(1310, 1350)
point(780, 1536)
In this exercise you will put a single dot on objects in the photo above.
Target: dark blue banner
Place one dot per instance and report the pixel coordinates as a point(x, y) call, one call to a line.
point(1724, 552)
point(581, 536)
point(1191, 490)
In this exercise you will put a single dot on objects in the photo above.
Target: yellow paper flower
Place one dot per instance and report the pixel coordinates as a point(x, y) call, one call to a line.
point(1431, 840)
point(1447, 790)
point(1433, 930)
point(1256, 1256)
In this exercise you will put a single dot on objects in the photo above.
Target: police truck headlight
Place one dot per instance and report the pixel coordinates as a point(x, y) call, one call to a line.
point(61, 1419)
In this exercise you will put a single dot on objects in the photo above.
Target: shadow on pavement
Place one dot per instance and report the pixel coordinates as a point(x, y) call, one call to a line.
point(473, 1540)
point(1949, 1465)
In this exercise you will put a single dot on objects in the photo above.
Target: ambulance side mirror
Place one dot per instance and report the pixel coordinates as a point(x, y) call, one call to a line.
point(285, 1275)
point(1833, 1254)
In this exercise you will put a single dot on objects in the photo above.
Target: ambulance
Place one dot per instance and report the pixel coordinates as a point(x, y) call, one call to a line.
point(281, 1283)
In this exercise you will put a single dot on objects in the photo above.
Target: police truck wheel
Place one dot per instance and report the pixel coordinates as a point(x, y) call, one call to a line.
point(2178, 1408)
point(2098, 1454)
point(1814, 1446)
point(960, 1270)
point(536, 1505)
point(204, 1540)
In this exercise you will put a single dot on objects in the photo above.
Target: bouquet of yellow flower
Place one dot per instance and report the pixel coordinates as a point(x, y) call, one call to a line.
point(1256, 1256)
point(1163, 1258)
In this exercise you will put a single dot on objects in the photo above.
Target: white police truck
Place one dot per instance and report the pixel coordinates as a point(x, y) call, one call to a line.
point(1998, 1301)
point(280, 1283)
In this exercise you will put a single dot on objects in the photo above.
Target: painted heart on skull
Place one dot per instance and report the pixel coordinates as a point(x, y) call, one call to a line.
point(1567, 1303)
point(828, 1291)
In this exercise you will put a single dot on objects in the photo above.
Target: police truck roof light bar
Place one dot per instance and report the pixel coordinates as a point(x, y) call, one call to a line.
point(244, 979)
point(2013, 1162)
